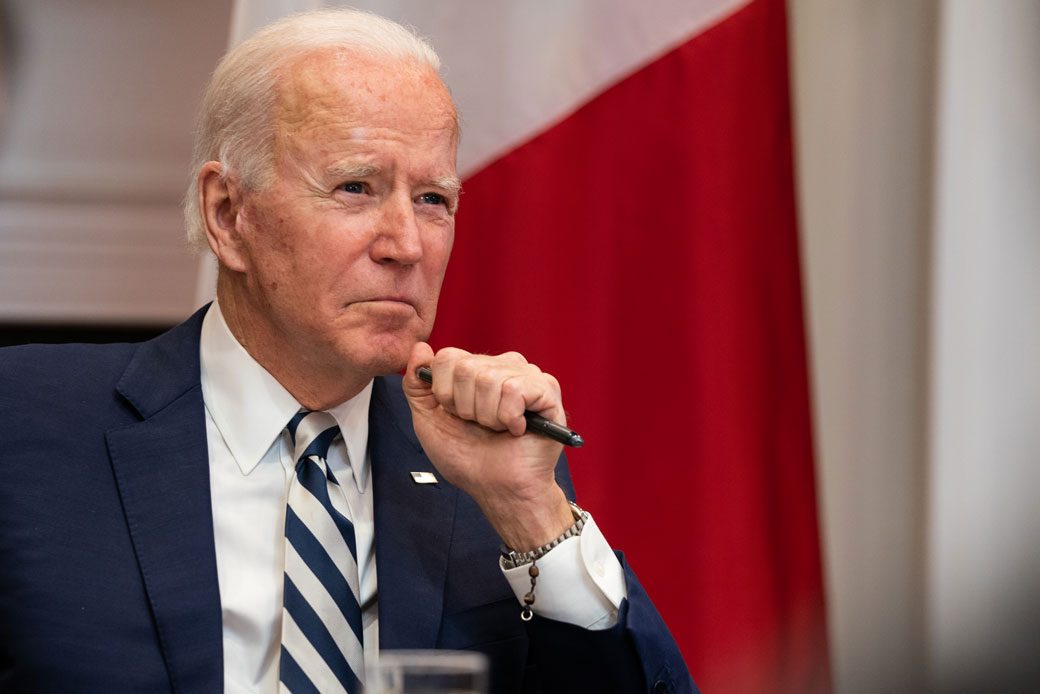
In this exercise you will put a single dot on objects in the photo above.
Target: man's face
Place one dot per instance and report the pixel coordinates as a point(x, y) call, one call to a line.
point(347, 246)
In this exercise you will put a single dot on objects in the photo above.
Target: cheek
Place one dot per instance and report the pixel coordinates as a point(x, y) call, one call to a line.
point(439, 256)
point(281, 242)
point(443, 248)
point(274, 241)
point(273, 260)
point(436, 253)
point(449, 244)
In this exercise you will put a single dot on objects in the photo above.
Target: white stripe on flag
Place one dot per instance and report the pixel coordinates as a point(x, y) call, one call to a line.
point(511, 77)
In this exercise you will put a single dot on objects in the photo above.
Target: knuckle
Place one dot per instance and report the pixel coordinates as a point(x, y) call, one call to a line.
point(448, 355)
point(534, 372)
point(486, 378)
point(450, 352)
point(512, 388)
point(511, 409)
point(513, 357)
point(465, 370)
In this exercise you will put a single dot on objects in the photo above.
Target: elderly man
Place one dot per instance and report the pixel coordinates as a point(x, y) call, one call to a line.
point(249, 502)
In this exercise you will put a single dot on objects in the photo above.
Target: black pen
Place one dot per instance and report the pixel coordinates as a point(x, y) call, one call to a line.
point(535, 422)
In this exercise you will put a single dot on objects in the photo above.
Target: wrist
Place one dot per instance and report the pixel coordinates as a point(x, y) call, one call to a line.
point(512, 559)
point(524, 525)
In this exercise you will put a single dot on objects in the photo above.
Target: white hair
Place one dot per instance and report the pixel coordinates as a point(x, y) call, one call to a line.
point(235, 123)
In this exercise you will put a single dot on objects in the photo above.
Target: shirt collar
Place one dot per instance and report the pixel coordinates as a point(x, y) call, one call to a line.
point(251, 408)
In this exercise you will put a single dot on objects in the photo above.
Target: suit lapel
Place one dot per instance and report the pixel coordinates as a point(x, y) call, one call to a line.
point(413, 525)
point(161, 465)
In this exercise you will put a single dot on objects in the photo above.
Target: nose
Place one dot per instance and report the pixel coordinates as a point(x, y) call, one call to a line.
point(398, 237)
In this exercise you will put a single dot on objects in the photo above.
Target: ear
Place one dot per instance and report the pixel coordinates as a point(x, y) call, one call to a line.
point(220, 203)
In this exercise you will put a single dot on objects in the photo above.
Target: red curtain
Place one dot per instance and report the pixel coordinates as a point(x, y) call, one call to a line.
point(644, 250)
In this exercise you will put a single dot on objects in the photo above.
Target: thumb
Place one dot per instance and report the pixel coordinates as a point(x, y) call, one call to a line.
point(418, 392)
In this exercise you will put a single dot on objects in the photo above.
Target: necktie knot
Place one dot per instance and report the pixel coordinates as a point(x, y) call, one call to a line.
point(312, 434)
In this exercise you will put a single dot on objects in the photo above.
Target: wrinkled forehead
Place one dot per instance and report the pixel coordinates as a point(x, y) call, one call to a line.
point(344, 85)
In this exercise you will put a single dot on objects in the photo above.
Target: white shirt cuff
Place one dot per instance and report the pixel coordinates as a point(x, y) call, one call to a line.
point(580, 581)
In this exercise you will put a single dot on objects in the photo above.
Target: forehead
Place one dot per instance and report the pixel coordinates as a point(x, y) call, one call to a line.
point(340, 88)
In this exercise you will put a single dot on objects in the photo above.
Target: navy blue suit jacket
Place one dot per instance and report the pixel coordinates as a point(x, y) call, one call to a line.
point(108, 579)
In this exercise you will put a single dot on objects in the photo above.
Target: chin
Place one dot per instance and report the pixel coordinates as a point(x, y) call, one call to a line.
point(381, 357)
point(384, 367)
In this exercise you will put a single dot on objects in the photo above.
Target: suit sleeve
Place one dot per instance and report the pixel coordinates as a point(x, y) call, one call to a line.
point(580, 581)
point(637, 654)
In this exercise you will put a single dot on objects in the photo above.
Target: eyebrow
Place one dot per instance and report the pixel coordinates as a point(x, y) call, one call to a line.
point(451, 184)
point(349, 170)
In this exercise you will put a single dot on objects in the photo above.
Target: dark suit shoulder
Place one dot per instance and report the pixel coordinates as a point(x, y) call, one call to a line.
point(60, 381)
point(64, 393)
point(46, 366)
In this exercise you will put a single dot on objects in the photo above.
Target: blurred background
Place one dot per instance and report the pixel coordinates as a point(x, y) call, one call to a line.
point(916, 144)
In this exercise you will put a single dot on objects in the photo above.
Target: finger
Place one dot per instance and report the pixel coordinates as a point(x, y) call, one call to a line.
point(511, 359)
point(478, 382)
point(535, 391)
point(443, 366)
point(466, 369)
point(421, 355)
point(511, 407)
point(549, 401)
point(488, 394)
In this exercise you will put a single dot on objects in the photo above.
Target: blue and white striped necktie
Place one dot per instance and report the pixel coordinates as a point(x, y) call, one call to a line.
point(321, 614)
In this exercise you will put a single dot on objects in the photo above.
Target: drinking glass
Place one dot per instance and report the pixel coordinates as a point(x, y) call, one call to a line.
point(428, 672)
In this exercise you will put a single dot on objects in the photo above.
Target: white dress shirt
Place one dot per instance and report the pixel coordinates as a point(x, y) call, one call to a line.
point(251, 465)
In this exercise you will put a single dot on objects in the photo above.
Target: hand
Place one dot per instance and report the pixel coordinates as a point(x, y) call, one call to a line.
point(471, 425)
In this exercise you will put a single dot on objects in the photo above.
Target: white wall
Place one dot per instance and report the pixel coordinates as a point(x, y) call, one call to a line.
point(863, 84)
point(918, 149)
point(984, 517)
point(93, 162)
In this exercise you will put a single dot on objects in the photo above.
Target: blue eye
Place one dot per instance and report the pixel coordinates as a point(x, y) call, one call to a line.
point(355, 187)
point(432, 198)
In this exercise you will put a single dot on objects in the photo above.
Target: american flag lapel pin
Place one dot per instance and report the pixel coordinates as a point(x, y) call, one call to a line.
point(423, 477)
